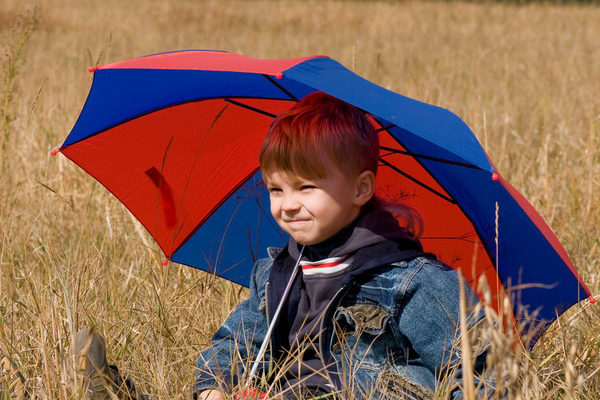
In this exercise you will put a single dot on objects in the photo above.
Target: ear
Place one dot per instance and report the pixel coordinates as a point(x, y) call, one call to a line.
point(365, 187)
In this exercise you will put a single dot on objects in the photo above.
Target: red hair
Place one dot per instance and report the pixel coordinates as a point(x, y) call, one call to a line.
point(320, 130)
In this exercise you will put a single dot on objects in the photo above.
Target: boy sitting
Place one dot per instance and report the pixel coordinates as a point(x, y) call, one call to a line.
point(369, 314)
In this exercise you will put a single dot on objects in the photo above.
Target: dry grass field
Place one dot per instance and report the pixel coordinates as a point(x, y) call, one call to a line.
point(526, 79)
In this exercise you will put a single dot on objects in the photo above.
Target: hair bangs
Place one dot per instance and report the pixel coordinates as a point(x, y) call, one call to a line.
point(293, 154)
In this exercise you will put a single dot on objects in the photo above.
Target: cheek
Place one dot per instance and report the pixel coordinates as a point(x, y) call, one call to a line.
point(275, 207)
point(321, 208)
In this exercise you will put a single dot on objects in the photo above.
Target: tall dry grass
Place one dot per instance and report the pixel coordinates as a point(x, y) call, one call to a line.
point(525, 78)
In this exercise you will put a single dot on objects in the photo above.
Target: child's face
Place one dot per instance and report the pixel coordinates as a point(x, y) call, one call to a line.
point(312, 210)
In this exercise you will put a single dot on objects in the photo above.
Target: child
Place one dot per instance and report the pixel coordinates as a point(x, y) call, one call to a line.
point(369, 315)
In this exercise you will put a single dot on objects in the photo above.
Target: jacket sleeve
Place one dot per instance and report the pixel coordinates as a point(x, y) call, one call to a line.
point(430, 321)
point(236, 343)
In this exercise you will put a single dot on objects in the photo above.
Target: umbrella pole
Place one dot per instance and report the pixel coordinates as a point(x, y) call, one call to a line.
point(263, 347)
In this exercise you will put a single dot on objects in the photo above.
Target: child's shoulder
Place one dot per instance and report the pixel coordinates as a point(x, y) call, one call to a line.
point(426, 260)
point(400, 272)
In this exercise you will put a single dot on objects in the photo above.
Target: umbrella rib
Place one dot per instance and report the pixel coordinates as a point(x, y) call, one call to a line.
point(432, 190)
point(385, 128)
point(258, 110)
point(284, 90)
point(408, 153)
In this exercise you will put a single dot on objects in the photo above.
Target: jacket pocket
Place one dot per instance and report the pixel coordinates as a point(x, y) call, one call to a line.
point(364, 317)
point(363, 337)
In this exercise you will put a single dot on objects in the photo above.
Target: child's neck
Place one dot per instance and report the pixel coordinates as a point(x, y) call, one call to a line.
point(323, 250)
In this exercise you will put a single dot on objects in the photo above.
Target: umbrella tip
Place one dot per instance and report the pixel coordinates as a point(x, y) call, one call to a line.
point(54, 151)
point(279, 75)
point(165, 262)
point(592, 300)
point(92, 69)
point(495, 176)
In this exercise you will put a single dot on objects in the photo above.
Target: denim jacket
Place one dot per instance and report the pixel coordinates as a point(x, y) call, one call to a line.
point(390, 332)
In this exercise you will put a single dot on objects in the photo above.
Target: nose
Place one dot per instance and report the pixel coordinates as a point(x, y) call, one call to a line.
point(290, 203)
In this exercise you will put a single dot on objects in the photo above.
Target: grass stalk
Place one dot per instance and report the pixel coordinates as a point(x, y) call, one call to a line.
point(465, 346)
point(13, 62)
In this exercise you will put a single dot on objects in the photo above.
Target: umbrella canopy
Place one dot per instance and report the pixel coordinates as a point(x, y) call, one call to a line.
point(175, 137)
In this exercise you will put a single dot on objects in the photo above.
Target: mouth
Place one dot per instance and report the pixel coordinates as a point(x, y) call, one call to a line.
point(296, 222)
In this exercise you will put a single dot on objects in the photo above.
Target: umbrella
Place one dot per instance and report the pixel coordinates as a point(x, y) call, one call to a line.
point(175, 137)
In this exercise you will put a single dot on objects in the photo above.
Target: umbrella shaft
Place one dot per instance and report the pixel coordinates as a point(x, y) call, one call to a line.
point(263, 347)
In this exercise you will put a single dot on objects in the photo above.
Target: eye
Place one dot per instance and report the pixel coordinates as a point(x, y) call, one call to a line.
point(273, 191)
point(305, 188)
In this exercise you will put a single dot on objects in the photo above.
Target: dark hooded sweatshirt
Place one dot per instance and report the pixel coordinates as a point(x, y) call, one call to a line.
point(372, 240)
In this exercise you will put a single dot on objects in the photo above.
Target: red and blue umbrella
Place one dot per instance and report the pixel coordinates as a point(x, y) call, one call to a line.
point(175, 137)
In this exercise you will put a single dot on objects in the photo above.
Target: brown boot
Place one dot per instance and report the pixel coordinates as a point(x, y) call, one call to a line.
point(90, 359)
point(101, 381)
